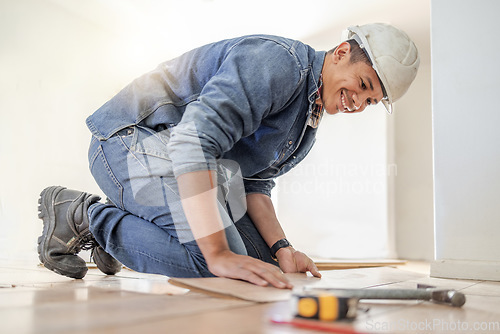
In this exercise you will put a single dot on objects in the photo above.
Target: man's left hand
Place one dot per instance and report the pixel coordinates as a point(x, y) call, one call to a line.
point(292, 261)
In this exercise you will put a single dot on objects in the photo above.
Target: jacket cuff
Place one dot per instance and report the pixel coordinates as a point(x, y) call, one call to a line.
point(262, 187)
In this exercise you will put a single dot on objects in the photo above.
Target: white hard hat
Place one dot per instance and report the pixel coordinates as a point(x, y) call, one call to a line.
point(393, 55)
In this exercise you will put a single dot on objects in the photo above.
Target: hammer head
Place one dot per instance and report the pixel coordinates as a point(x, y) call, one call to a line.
point(447, 296)
point(452, 297)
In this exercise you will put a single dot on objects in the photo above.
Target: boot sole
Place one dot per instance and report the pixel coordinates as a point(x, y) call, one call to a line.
point(103, 264)
point(47, 214)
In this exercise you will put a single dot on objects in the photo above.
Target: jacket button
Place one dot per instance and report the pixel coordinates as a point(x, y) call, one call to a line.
point(290, 142)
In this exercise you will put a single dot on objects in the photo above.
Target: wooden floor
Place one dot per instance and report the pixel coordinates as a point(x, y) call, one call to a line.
point(35, 300)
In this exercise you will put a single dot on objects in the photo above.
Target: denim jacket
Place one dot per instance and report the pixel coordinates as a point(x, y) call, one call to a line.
point(245, 99)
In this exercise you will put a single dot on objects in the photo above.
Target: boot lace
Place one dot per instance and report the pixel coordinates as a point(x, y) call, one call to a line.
point(87, 242)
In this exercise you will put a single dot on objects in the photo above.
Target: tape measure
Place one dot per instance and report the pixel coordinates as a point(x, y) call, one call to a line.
point(324, 306)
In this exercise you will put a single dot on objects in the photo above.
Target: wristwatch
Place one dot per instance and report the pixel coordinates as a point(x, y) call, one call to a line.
point(282, 243)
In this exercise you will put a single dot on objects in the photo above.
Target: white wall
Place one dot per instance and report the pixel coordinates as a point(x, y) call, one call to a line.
point(49, 62)
point(337, 200)
point(413, 193)
point(466, 117)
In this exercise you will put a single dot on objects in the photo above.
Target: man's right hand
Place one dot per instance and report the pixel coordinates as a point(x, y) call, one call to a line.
point(243, 267)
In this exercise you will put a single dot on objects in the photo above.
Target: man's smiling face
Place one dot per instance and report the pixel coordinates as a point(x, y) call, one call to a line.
point(348, 87)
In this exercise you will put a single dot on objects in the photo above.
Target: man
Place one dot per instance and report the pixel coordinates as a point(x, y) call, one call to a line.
point(187, 154)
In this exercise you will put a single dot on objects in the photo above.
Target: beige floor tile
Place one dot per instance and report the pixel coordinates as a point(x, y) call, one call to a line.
point(130, 302)
point(362, 278)
point(442, 283)
point(253, 319)
point(39, 277)
point(430, 318)
point(416, 267)
point(488, 304)
point(15, 276)
point(484, 289)
point(65, 310)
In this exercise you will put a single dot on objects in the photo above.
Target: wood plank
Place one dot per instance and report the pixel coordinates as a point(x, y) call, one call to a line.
point(332, 264)
point(351, 278)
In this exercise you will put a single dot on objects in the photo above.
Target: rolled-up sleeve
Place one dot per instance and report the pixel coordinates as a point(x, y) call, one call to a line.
point(259, 186)
point(255, 79)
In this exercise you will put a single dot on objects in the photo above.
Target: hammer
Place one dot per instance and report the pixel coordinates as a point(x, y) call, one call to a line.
point(423, 292)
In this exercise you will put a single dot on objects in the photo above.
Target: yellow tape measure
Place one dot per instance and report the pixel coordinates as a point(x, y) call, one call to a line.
point(324, 306)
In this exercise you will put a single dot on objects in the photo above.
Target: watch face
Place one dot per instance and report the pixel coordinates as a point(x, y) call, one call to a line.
point(284, 243)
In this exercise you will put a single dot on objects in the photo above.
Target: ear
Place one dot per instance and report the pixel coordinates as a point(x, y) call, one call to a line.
point(342, 52)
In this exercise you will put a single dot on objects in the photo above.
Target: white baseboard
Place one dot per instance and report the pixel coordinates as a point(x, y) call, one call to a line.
point(464, 269)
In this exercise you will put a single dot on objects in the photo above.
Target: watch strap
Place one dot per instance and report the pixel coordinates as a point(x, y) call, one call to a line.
point(282, 243)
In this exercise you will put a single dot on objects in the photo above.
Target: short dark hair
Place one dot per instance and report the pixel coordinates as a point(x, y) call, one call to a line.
point(357, 53)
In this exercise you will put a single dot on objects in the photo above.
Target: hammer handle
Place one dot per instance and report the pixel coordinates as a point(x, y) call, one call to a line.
point(414, 294)
point(451, 297)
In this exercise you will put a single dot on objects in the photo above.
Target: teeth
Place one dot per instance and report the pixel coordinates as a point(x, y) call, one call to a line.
point(344, 104)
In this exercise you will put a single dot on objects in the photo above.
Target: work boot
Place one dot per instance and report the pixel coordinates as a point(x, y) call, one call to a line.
point(105, 262)
point(66, 232)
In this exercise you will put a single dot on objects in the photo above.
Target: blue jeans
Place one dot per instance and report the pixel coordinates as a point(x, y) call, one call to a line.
point(144, 226)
